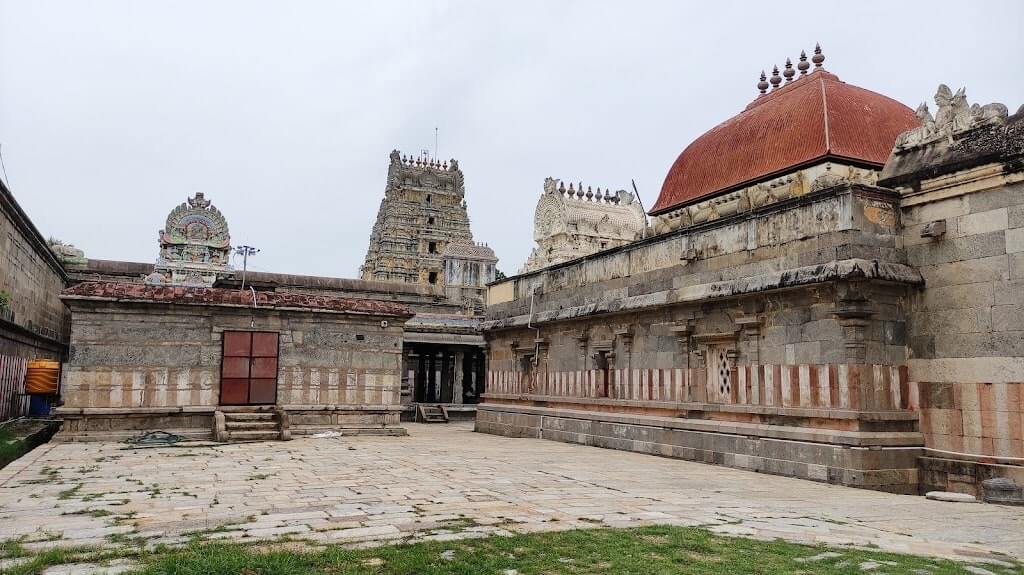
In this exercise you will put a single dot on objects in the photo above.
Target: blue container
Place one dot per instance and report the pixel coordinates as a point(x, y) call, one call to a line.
point(39, 405)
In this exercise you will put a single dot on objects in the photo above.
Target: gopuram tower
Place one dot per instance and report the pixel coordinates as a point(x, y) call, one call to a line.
point(422, 232)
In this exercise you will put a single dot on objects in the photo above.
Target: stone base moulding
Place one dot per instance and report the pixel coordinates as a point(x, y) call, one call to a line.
point(119, 424)
point(345, 419)
point(200, 423)
point(938, 473)
point(871, 465)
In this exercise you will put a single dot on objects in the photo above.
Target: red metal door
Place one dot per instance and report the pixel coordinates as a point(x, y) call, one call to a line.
point(249, 368)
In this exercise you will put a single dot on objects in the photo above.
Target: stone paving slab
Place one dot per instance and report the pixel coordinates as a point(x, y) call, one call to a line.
point(445, 482)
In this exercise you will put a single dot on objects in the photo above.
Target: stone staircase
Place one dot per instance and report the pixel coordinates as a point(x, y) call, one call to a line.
point(251, 423)
point(431, 413)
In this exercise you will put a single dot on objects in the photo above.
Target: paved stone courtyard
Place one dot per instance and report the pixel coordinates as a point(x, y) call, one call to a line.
point(446, 482)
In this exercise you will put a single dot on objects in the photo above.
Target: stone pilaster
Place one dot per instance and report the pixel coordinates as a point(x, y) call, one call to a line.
point(854, 312)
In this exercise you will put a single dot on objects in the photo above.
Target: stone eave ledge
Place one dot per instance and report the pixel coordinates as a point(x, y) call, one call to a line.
point(263, 307)
point(116, 292)
point(850, 269)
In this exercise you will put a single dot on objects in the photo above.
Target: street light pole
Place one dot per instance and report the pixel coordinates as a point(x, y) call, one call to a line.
point(245, 252)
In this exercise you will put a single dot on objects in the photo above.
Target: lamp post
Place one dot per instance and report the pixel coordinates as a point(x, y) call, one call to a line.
point(245, 252)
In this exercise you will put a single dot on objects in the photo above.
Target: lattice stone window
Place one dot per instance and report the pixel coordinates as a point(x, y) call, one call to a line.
point(719, 365)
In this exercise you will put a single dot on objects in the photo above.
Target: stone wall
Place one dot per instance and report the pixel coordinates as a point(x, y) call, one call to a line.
point(961, 181)
point(148, 360)
point(967, 327)
point(36, 323)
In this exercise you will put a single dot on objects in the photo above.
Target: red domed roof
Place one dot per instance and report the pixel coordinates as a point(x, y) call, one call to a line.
point(807, 120)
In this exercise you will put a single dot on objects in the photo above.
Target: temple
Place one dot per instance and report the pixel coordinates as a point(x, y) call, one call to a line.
point(832, 292)
point(830, 286)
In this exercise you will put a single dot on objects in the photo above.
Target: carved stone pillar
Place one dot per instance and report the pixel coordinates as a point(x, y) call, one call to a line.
point(626, 338)
point(683, 332)
point(854, 312)
point(750, 337)
point(582, 340)
point(458, 384)
point(541, 365)
point(513, 346)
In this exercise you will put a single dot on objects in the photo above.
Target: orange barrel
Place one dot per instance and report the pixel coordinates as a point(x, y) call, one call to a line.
point(42, 376)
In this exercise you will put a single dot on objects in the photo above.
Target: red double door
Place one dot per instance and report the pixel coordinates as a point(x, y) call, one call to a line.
point(248, 374)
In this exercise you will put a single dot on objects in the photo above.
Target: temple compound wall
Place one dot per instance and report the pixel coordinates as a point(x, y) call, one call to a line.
point(160, 357)
point(770, 340)
point(33, 322)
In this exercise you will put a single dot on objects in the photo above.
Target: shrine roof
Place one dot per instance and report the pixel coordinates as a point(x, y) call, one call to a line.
point(812, 118)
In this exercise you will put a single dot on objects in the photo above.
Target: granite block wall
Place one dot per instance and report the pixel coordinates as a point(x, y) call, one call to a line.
point(35, 325)
point(966, 329)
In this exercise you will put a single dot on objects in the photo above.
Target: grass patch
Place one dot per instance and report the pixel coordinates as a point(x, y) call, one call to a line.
point(659, 550)
point(11, 447)
point(89, 512)
point(19, 437)
point(69, 493)
point(59, 556)
point(11, 548)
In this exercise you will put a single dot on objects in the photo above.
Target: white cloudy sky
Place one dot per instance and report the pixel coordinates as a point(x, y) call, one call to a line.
point(284, 113)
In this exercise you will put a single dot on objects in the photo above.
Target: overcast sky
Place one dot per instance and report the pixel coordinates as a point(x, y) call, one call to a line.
point(283, 113)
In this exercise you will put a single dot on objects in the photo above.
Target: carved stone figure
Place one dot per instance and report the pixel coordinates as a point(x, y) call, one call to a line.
point(954, 116)
point(827, 180)
point(68, 254)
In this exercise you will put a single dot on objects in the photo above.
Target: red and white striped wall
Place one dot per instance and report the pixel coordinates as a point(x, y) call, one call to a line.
point(833, 386)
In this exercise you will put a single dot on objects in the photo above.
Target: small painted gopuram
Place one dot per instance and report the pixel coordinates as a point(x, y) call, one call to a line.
point(195, 246)
point(834, 290)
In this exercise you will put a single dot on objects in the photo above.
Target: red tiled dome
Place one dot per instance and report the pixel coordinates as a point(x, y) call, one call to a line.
point(807, 120)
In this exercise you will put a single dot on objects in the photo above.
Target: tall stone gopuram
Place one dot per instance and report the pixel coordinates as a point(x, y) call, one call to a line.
point(422, 232)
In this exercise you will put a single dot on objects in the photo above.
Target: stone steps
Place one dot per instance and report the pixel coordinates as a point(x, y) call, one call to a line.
point(243, 423)
point(254, 435)
point(249, 416)
point(252, 425)
point(427, 413)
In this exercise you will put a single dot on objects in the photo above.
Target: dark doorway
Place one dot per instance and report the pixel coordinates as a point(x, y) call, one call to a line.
point(601, 361)
point(446, 374)
point(248, 373)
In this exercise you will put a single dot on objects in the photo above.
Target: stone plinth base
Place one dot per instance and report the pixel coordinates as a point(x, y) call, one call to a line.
point(346, 419)
point(119, 424)
point(940, 472)
point(884, 461)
